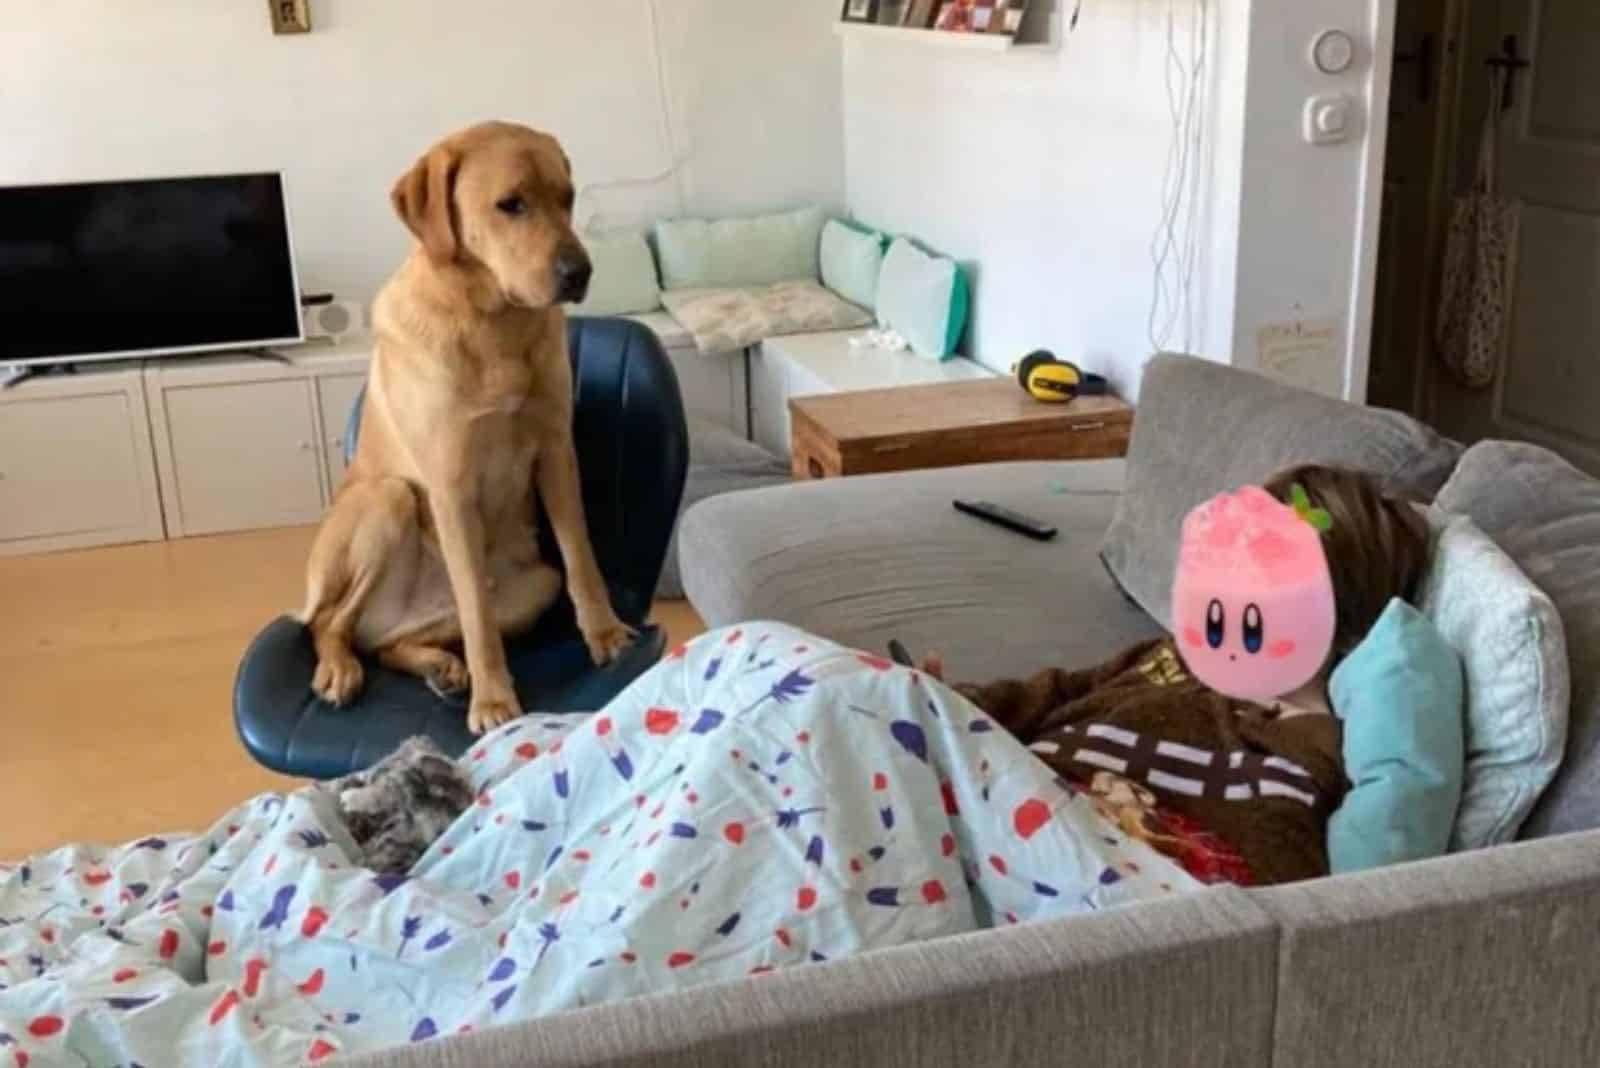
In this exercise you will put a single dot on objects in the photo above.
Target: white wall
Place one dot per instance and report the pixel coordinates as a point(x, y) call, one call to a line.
point(116, 88)
point(1308, 234)
point(1044, 171)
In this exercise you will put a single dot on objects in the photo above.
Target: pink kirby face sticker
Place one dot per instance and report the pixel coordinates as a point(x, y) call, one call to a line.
point(1253, 602)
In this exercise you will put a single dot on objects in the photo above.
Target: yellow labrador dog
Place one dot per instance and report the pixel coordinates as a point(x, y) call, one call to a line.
point(430, 540)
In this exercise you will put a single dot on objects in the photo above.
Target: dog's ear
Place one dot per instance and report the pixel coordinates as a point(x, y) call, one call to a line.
point(424, 198)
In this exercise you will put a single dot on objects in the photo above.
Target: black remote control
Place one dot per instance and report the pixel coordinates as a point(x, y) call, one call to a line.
point(1005, 517)
point(898, 654)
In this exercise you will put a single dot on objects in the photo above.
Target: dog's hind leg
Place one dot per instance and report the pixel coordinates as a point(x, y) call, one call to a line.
point(369, 521)
point(438, 667)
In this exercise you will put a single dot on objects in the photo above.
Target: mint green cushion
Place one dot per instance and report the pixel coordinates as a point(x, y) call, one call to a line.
point(923, 298)
point(852, 259)
point(704, 254)
point(624, 280)
point(1400, 694)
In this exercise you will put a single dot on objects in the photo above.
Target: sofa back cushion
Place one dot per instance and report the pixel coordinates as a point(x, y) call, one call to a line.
point(1545, 514)
point(1202, 428)
point(706, 254)
point(625, 281)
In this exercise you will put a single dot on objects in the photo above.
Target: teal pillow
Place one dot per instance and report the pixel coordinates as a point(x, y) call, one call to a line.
point(705, 254)
point(924, 298)
point(624, 280)
point(1400, 694)
point(852, 259)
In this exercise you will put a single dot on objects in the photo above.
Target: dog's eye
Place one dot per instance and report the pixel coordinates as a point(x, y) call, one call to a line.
point(568, 199)
point(512, 205)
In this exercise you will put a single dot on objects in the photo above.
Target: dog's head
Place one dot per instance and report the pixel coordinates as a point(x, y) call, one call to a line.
point(498, 197)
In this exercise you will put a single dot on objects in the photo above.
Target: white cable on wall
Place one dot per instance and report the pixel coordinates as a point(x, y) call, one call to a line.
point(1175, 249)
point(674, 168)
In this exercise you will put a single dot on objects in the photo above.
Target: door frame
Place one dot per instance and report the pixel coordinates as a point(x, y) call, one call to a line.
point(1369, 214)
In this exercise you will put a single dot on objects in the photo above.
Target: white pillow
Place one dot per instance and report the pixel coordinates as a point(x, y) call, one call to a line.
point(923, 298)
point(624, 281)
point(1514, 650)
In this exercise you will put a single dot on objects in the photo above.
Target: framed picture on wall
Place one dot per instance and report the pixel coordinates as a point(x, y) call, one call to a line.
point(892, 12)
point(860, 11)
point(1009, 18)
point(981, 16)
point(919, 13)
point(290, 16)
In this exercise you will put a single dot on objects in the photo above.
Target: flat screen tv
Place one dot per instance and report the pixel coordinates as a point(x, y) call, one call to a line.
point(109, 270)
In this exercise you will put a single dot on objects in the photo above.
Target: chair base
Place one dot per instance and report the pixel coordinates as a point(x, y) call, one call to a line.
point(289, 729)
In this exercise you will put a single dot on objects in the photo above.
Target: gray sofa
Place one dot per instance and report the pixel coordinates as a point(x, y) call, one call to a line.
point(1483, 958)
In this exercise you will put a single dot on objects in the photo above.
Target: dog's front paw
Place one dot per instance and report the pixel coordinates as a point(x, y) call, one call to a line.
point(489, 710)
point(607, 639)
point(338, 679)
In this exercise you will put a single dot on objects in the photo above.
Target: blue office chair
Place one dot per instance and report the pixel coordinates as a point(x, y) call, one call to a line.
point(633, 453)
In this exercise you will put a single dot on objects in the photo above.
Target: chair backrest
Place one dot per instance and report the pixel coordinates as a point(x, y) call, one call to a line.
point(633, 454)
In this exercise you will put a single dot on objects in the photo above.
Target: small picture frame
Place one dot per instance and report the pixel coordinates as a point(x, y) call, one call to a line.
point(859, 11)
point(290, 16)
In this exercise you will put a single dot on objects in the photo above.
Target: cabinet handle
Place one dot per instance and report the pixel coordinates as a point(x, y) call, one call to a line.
point(892, 446)
point(1089, 426)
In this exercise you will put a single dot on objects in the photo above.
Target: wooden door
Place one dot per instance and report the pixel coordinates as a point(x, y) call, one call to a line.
point(1548, 390)
point(1416, 173)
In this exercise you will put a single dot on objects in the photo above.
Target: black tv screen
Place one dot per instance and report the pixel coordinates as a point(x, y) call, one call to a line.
point(171, 265)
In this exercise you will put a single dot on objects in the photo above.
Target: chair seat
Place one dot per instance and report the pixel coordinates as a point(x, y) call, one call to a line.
point(289, 729)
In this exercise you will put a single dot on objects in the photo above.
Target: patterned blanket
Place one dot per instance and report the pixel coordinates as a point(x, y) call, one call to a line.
point(759, 800)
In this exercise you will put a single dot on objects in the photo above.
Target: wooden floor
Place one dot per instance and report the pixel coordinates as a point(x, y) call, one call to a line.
point(117, 667)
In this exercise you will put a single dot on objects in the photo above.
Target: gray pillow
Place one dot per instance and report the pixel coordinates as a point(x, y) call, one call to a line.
point(1545, 514)
point(1510, 640)
point(1201, 428)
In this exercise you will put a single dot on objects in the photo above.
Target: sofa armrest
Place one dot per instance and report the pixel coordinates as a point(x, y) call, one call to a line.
point(1478, 958)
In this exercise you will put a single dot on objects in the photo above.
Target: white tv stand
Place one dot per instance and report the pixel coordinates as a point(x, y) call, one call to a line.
point(170, 448)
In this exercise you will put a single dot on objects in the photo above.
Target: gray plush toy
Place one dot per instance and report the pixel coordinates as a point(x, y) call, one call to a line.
point(397, 807)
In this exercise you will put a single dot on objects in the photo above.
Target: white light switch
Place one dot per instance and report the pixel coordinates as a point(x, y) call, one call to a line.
point(1330, 118)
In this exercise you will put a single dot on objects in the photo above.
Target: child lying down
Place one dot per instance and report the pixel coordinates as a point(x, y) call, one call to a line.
point(760, 800)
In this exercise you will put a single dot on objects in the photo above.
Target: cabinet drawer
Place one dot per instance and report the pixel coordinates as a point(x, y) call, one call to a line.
point(73, 469)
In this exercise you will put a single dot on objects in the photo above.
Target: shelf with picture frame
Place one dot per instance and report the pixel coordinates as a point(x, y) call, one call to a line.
point(974, 25)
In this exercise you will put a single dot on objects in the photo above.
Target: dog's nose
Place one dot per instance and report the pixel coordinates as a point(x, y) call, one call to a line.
point(573, 271)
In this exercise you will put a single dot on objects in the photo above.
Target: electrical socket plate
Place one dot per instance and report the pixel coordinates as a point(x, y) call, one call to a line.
point(1330, 119)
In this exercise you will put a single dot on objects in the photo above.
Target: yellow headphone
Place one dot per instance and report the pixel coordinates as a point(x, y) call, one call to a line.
point(1048, 379)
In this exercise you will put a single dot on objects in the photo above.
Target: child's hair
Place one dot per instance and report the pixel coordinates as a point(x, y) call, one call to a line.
point(1377, 544)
